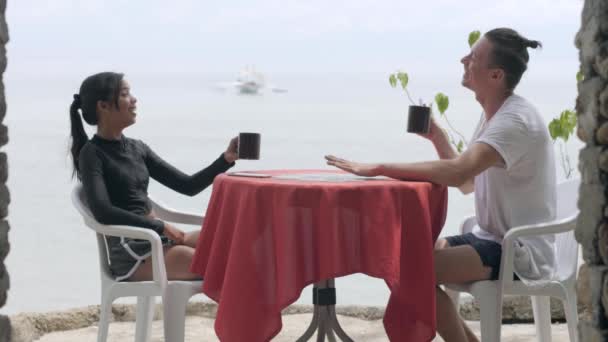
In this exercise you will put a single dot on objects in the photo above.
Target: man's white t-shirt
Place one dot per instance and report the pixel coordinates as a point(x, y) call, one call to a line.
point(522, 190)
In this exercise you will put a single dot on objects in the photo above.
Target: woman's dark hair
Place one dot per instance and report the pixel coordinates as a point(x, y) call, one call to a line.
point(510, 53)
point(104, 86)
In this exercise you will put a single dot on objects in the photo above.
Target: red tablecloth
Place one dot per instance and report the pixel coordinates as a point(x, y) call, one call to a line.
point(264, 240)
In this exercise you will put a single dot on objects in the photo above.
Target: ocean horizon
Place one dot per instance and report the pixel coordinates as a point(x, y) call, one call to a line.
point(188, 119)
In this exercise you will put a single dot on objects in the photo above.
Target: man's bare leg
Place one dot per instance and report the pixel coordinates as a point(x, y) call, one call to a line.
point(459, 264)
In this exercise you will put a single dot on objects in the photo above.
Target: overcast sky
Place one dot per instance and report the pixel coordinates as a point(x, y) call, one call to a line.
point(276, 35)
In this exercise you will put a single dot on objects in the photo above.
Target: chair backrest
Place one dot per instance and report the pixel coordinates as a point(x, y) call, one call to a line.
point(79, 201)
point(566, 246)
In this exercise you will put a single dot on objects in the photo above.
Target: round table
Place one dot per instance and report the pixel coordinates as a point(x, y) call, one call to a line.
point(265, 239)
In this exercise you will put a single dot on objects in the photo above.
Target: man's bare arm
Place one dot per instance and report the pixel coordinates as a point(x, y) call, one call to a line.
point(445, 150)
point(456, 172)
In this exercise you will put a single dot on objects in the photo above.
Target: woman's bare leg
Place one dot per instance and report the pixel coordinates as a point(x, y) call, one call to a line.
point(191, 238)
point(177, 262)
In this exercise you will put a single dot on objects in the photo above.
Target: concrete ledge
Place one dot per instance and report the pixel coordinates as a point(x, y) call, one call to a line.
point(27, 327)
point(202, 329)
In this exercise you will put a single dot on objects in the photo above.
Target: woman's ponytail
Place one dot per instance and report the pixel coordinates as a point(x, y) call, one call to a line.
point(79, 135)
point(104, 86)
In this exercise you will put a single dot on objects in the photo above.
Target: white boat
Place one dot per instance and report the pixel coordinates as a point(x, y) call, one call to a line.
point(249, 81)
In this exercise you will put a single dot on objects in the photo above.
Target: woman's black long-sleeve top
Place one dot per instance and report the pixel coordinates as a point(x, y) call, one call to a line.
point(115, 176)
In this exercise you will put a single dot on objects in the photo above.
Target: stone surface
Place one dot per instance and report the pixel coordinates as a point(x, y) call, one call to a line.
point(604, 301)
point(602, 162)
point(583, 291)
point(587, 123)
point(206, 309)
point(201, 329)
point(33, 325)
point(588, 104)
point(4, 284)
point(516, 309)
point(3, 167)
point(3, 60)
point(592, 229)
point(601, 61)
point(3, 135)
point(5, 200)
point(5, 329)
point(597, 275)
point(29, 327)
point(602, 243)
point(362, 323)
point(602, 14)
point(603, 103)
point(3, 25)
point(591, 201)
point(588, 332)
point(5, 324)
point(580, 133)
point(601, 135)
point(586, 16)
point(589, 165)
point(586, 36)
point(4, 243)
point(2, 101)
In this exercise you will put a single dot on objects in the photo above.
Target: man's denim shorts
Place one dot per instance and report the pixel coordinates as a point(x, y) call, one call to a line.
point(489, 251)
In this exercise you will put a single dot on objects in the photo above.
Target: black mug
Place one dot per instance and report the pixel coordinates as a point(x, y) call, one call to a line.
point(249, 146)
point(419, 119)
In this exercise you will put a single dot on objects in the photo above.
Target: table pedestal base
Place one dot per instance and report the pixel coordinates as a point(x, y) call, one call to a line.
point(324, 319)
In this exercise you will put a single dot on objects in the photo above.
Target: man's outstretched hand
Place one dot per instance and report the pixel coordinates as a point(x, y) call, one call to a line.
point(360, 169)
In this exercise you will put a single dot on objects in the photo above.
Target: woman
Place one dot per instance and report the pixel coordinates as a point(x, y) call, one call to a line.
point(509, 166)
point(115, 171)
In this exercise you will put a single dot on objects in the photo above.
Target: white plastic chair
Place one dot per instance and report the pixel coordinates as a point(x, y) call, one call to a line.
point(175, 294)
point(489, 293)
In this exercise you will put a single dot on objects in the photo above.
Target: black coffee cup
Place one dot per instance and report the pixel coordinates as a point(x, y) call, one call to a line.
point(249, 146)
point(419, 119)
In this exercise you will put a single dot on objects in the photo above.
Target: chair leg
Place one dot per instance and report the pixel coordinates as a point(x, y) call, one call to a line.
point(571, 311)
point(105, 313)
point(175, 303)
point(490, 310)
point(145, 314)
point(542, 317)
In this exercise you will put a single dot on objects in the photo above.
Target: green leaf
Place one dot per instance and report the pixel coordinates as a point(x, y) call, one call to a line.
point(563, 126)
point(392, 79)
point(555, 129)
point(442, 102)
point(460, 146)
point(579, 76)
point(473, 37)
point(403, 79)
point(571, 120)
point(567, 122)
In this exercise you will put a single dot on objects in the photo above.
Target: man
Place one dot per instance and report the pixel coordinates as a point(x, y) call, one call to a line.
point(509, 165)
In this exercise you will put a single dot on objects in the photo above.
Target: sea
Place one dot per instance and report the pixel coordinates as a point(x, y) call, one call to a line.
point(188, 119)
